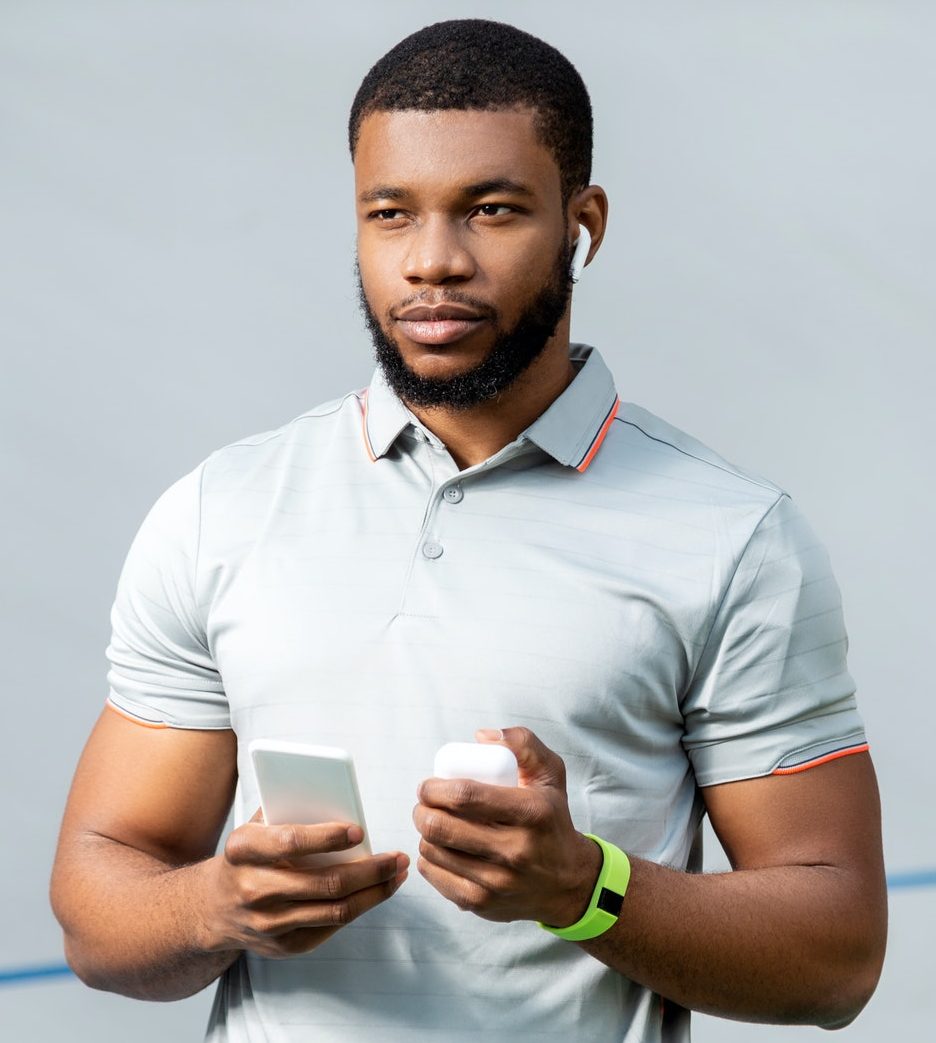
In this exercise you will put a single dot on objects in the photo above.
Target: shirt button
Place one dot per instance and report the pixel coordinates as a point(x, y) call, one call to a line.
point(431, 549)
point(454, 494)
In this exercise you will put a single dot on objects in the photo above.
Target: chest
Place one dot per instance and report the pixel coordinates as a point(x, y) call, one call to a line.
point(523, 594)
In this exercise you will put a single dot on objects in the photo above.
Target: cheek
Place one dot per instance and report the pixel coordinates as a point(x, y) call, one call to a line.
point(376, 273)
point(516, 284)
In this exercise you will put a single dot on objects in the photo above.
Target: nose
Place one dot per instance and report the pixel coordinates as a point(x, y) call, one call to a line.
point(437, 255)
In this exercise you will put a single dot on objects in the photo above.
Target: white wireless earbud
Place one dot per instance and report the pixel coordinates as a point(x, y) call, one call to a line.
point(582, 246)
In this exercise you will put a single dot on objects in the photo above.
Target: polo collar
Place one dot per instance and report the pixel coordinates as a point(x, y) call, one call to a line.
point(571, 429)
point(385, 417)
point(574, 425)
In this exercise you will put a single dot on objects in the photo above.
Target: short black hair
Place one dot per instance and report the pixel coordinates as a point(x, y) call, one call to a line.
point(473, 63)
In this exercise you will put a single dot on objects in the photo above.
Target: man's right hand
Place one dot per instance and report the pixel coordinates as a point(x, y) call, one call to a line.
point(256, 896)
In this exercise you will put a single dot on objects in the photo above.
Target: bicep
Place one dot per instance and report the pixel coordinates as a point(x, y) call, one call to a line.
point(163, 791)
point(829, 815)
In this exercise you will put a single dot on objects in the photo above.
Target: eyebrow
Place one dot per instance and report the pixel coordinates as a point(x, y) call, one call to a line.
point(375, 195)
point(480, 188)
point(499, 184)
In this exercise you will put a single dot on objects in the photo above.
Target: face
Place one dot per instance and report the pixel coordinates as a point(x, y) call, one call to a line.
point(462, 249)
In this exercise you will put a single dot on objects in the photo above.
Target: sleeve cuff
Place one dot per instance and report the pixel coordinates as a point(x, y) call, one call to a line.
point(152, 717)
point(782, 751)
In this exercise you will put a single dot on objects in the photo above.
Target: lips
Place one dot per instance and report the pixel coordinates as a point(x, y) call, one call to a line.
point(438, 331)
point(438, 324)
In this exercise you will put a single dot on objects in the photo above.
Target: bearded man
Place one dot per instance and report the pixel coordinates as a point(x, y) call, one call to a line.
point(483, 543)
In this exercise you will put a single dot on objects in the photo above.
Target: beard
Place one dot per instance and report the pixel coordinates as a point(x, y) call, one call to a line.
point(514, 350)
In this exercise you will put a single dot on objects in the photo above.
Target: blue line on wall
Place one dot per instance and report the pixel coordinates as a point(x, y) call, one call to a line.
point(895, 882)
point(920, 878)
point(51, 970)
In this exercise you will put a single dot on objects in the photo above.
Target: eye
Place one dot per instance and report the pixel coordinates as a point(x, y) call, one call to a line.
point(494, 209)
point(390, 214)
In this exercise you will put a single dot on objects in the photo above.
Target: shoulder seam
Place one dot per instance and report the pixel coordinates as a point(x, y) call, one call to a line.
point(309, 415)
point(769, 486)
point(727, 587)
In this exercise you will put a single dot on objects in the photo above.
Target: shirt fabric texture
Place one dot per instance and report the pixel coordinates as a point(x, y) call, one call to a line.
point(660, 618)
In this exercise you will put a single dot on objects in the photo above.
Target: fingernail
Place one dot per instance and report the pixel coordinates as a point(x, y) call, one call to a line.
point(491, 734)
point(355, 834)
point(402, 863)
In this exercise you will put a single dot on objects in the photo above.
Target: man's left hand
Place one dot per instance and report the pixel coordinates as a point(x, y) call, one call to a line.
point(508, 853)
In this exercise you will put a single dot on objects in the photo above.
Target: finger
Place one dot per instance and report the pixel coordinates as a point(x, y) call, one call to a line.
point(481, 802)
point(258, 844)
point(466, 894)
point(538, 765)
point(337, 913)
point(328, 883)
point(491, 877)
point(442, 829)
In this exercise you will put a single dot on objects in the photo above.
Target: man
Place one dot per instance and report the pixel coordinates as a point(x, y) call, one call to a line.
point(485, 542)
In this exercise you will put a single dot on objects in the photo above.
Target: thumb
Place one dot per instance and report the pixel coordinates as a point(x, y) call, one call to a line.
point(538, 764)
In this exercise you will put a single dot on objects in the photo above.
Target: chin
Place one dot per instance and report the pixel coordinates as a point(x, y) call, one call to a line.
point(444, 360)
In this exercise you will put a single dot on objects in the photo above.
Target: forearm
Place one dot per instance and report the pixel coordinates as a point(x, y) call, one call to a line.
point(133, 924)
point(782, 944)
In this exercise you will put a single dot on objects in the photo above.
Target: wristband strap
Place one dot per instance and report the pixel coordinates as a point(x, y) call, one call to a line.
point(605, 905)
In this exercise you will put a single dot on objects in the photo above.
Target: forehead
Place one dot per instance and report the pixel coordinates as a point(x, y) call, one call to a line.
point(452, 148)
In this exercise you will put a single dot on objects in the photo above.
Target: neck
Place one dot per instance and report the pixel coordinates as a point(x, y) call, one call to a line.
point(474, 435)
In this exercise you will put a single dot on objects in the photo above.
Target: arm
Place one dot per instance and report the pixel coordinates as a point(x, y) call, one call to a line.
point(795, 934)
point(148, 910)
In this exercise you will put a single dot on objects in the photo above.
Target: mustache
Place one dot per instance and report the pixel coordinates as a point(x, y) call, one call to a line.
point(430, 299)
point(427, 297)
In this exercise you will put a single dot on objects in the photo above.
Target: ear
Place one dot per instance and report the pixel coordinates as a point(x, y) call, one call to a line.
point(588, 209)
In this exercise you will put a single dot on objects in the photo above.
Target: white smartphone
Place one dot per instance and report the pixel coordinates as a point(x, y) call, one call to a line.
point(304, 784)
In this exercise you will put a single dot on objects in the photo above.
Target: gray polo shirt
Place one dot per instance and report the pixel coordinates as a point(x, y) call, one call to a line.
point(660, 618)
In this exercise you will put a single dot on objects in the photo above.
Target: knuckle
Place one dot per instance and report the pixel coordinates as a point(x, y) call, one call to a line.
point(519, 858)
point(434, 830)
point(256, 925)
point(248, 893)
point(332, 885)
point(472, 897)
point(286, 839)
point(505, 883)
point(535, 812)
point(341, 913)
point(463, 793)
point(236, 847)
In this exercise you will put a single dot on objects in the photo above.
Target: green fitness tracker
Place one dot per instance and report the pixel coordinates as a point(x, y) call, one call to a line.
point(605, 905)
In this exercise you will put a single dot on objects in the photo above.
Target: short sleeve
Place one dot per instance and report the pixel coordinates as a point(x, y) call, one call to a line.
point(771, 693)
point(161, 671)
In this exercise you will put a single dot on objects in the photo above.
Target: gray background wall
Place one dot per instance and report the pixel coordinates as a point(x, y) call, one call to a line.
point(176, 244)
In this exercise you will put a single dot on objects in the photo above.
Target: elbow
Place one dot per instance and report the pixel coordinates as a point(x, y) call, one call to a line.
point(847, 1001)
point(860, 962)
point(77, 959)
point(83, 969)
point(844, 1011)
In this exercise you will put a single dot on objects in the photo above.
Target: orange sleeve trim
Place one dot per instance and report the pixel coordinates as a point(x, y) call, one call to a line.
point(600, 437)
point(862, 748)
point(135, 720)
point(367, 445)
